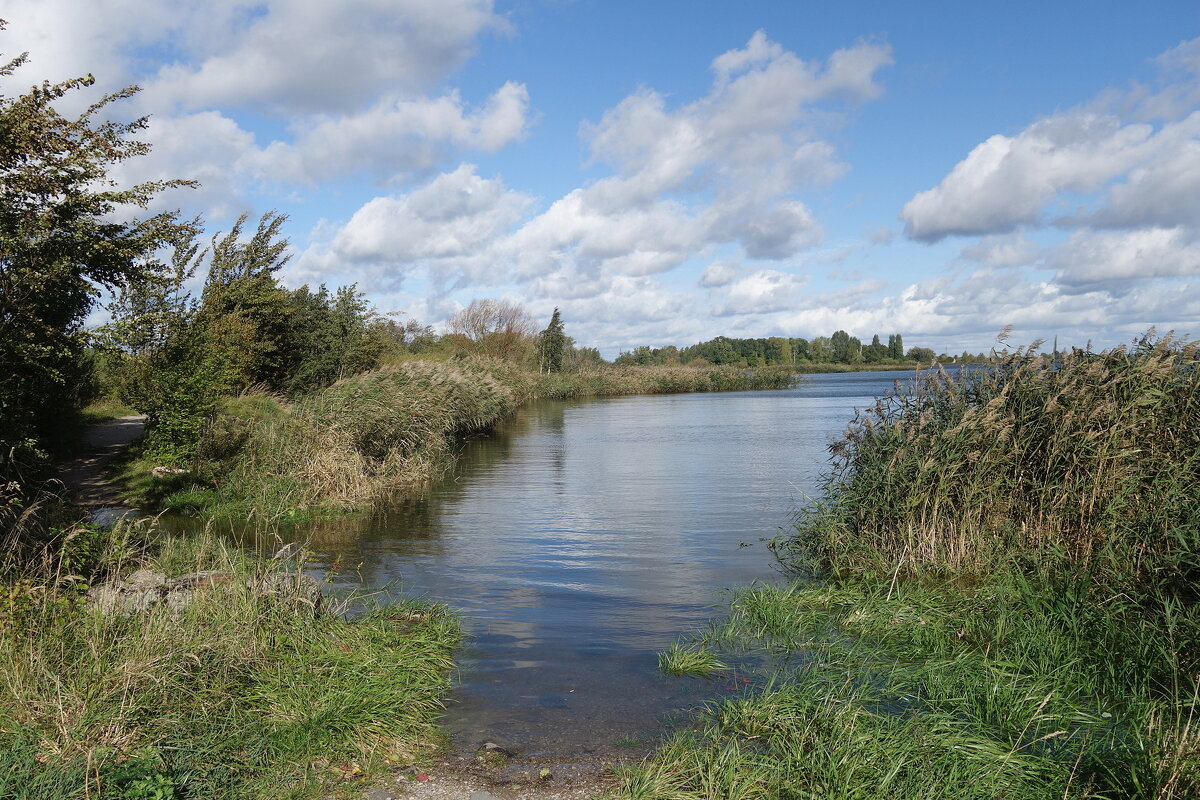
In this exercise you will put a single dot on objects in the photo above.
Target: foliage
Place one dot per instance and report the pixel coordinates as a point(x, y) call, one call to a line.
point(771, 351)
point(552, 345)
point(497, 328)
point(59, 243)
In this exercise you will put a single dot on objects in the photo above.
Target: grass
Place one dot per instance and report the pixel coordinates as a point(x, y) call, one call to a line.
point(241, 695)
point(683, 660)
point(378, 433)
point(1000, 600)
point(105, 409)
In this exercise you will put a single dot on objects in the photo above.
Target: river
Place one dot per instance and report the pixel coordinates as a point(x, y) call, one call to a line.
point(580, 538)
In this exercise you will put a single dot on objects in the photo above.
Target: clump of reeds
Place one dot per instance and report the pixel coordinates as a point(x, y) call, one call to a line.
point(1094, 456)
point(239, 695)
point(357, 440)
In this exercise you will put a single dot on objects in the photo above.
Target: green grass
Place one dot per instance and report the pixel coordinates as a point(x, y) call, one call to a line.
point(689, 660)
point(241, 695)
point(104, 409)
point(1000, 601)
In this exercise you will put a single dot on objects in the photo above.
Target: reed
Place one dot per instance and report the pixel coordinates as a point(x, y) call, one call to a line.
point(381, 432)
point(998, 600)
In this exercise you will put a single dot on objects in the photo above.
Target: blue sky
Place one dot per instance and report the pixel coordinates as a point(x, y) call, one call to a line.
point(665, 172)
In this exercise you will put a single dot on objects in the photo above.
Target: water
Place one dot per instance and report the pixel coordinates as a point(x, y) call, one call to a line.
point(580, 538)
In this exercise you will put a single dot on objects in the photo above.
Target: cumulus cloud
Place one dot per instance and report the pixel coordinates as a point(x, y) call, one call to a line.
point(1116, 181)
point(312, 56)
point(718, 273)
point(443, 228)
point(1112, 259)
point(396, 135)
point(762, 292)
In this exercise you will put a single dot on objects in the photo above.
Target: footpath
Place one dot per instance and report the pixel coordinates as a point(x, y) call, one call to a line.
point(83, 476)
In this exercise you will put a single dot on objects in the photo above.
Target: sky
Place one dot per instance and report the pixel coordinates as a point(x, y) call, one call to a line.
point(666, 171)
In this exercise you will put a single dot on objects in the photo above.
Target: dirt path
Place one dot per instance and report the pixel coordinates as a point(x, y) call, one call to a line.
point(83, 476)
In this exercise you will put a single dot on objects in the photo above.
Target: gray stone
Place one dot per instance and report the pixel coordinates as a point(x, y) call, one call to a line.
point(146, 589)
point(380, 794)
point(479, 794)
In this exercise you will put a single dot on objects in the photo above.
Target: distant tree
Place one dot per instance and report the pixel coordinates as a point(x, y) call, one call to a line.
point(840, 346)
point(495, 327)
point(552, 345)
point(820, 350)
point(875, 351)
point(896, 346)
point(854, 351)
point(922, 355)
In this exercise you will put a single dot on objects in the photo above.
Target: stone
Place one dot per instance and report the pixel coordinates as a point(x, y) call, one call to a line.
point(146, 589)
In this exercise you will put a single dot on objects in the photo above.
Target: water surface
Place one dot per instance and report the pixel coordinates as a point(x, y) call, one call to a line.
point(580, 538)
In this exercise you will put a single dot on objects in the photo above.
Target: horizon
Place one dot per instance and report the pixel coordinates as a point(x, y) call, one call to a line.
point(669, 174)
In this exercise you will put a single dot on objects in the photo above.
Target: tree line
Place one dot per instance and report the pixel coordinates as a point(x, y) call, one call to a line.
point(840, 348)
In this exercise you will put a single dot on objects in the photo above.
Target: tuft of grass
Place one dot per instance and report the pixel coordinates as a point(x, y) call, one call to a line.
point(243, 694)
point(682, 659)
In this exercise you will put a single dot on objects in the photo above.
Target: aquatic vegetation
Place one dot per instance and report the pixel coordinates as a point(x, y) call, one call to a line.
point(1000, 600)
point(689, 660)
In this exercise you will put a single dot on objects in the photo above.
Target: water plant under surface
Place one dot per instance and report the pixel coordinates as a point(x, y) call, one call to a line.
point(1000, 599)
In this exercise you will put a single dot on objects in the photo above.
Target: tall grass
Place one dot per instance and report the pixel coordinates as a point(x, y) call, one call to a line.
point(1001, 599)
point(243, 694)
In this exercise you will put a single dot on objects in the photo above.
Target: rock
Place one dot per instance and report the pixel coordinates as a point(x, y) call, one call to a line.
point(146, 589)
point(479, 794)
point(160, 472)
point(380, 794)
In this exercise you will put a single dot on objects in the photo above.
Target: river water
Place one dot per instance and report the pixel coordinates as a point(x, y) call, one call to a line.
point(580, 538)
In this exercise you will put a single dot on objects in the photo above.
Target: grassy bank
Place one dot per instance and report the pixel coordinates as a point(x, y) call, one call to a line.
point(243, 694)
point(380, 432)
point(1001, 601)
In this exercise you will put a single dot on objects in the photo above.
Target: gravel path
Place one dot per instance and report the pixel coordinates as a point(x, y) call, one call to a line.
point(83, 476)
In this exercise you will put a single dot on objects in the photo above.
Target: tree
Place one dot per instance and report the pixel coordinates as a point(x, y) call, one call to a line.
point(820, 350)
point(923, 355)
point(552, 345)
point(896, 346)
point(840, 345)
point(59, 245)
point(495, 327)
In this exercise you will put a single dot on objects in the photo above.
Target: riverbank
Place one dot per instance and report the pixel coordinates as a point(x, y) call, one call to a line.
point(253, 689)
point(1000, 601)
point(378, 433)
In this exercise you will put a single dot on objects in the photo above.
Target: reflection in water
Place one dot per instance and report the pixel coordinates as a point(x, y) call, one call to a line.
point(580, 538)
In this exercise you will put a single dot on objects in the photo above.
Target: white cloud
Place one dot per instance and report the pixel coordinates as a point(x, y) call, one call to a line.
point(718, 273)
point(313, 56)
point(1009, 250)
point(1108, 259)
point(396, 135)
point(1115, 187)
point(1006, 182)
point(762, 292)
point(443, 228)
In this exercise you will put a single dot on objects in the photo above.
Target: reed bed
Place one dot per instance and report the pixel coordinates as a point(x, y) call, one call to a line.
point(998, 600)
point(385, 431)
point(239, 695)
